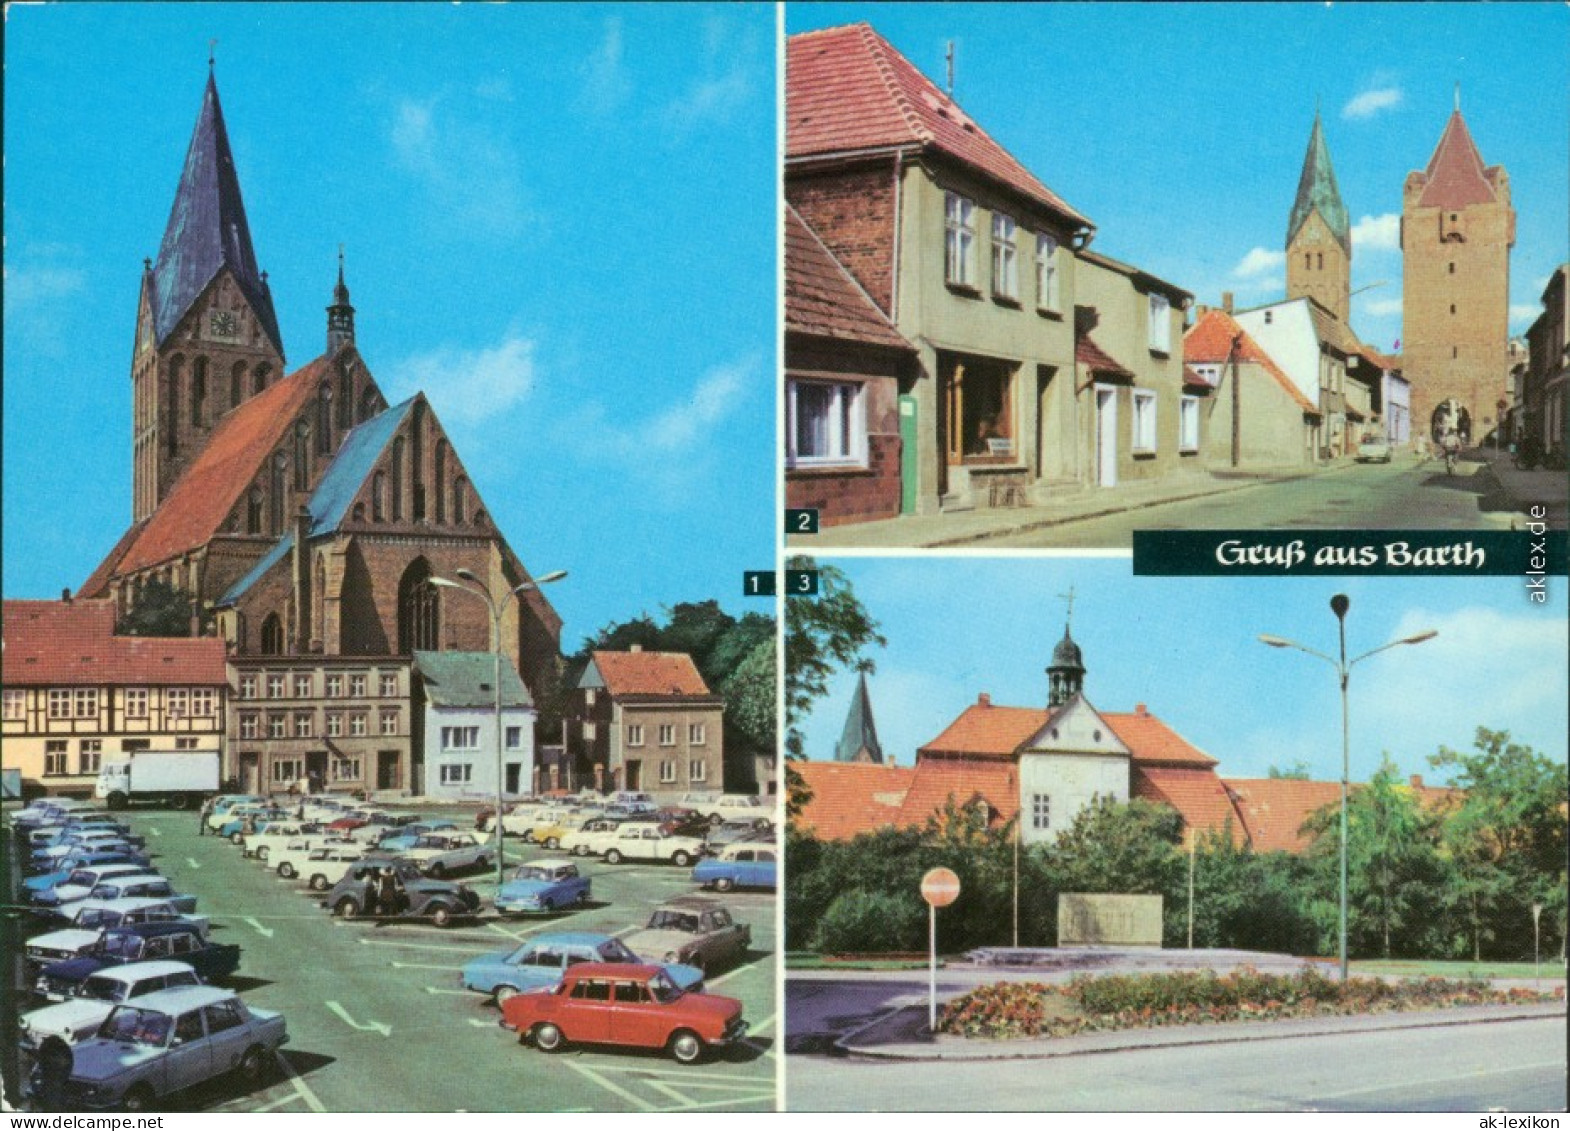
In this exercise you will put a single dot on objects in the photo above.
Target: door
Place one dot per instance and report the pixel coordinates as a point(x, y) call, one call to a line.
point(634, 776)
point(387, 769)
point(316, 769)
point(908, 465)
point(1106, 437)
point(250, 781)
point(189, 1060)
point(514, 769)
point(636, 1018)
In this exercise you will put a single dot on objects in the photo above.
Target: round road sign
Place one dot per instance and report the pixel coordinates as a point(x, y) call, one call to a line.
point(940, 887)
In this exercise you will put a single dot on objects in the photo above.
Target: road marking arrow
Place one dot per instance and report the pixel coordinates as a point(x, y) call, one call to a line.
point(367, 1026)
point(192, 863)
point(482, 1024)
point(265, 932)
point(153, 830)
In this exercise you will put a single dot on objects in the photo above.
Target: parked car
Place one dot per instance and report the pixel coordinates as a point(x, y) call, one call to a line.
point(47, 811)
point(81, 882)
point(98, 915)
point(1374, 448)
point(244, 820)
point(543, 885)
point(47, 858)
point(413, 896)
point(648, 1008)
point(737, 807)
point(320, 866)
point(275, 834)
point(227, 803)
point(145, 886)
point(592, 838)
point(539, 964)
point(400, 840)
point(733, 832)
point(377, 824)
point(643, 840)
point(78, 1018)
point(693, 929)
point(71, 864)
point(739, 866)
point(140, 943)
point(171, 1040)
point(436, 854)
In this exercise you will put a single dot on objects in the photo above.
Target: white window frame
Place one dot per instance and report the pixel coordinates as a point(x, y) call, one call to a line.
point(303, 724)
point(302, 685)
point(461, 738)
point(697, 734)
point(56, 753)
point(288, 769)
point(15, 704)
point(357, 685)
point(389, 683)
point(387, 721)
point(359, 725)
point(250, 724)
point(177, 702)
point(89, 755)
point(1188, 424)
point(1041, 811)
point(1142, 436)
point(277, 725)
point(667, 734)
point(277, 686)
point(1160, 336)
point(84, 702)
point(668, 772)
point(959, 240)
point(456, 773)
point(634, 734)
point(59, 702)
point(346, 767)
point(512, 738)
point(135, 703)
point(204, 704)
point(1005, 256)
point(248, 687)
point(697, 770)
point(1047, 272)
point(847, 440)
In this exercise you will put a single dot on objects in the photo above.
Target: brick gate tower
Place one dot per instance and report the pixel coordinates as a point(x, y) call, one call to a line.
point(1457, 229)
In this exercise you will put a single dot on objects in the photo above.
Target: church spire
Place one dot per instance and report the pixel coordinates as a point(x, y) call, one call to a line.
point(340, 315)
point(207, 230)
point(859, 740)
point(1317, 191)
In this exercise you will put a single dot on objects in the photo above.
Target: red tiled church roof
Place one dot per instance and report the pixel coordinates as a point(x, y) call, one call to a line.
point(649, 673)
point(822, 298)
point(847, 89)
point(98, 582)
point(1209, 341)
point(72, 643)
point(1151, 741)
point(1456, 176)
point(851, 797)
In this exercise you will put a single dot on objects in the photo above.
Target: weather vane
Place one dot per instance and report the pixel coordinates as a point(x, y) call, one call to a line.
point(1069, 597)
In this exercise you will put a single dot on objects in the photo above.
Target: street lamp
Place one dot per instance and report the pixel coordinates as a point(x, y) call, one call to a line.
point(481, 590)
point(1339, 605)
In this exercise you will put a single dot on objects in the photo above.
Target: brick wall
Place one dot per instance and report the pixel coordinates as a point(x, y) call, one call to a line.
point(851, 495)
point(852, 212)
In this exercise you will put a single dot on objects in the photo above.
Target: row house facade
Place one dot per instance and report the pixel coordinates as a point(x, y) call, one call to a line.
point(1548, 366)
point(75, 693)
point(1256, 417)
point(1314, 348)
point(456, 722)
point(983, 270)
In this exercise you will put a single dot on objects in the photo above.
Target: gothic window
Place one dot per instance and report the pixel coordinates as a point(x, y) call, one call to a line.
point(368, 403)
point(253, 512)
point(199, 393)
point(379, 497)
point(1320, 264)
point(259, 379)
point(419, 610)
point(319, 604)
point(324, 419)
point(397, 479)
point(275, 512)
point(459, 498)
point(176, 375)
point(417, 463)
point(302, 456)
point(345, 398)
point(1308, 260)
point(237, 384)
point(272, 635)
point(440, 477)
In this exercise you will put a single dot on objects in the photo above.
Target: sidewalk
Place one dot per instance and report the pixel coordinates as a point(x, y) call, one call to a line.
point(958, 528)
point(901, 1034)
point(1517, 490)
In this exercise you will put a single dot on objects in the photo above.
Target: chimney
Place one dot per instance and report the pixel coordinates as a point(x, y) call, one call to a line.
point(1139, 709)
point(65, 596)
point(1417, 781)
point(1226, 301)
point(1200, 310)
point(983, 700)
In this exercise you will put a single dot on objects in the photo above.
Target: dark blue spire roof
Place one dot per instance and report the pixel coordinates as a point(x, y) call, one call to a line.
point(207, 231)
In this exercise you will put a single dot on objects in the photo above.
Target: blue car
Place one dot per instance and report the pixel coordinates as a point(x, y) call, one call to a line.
point(543, 885)
point(539, 964)
point(404, 838)
point(740, 865)
point(60, 875)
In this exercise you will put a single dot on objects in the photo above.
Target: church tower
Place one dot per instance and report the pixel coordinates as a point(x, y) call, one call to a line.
point(859, 740)
point(1457, 229)
point(1066, 674)
point(340, 315)
point(1319, 238)
point(206, 334)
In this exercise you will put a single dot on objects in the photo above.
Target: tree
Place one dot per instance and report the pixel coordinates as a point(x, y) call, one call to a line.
point(822, 635)
point(751, 700)
point(1297, 771)
point(1120, 847)
point(159, 609)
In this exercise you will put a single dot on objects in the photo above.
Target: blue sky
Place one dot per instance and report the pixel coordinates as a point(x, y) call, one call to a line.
point(1189, 650)
point(559, 221)
point(1180, 129)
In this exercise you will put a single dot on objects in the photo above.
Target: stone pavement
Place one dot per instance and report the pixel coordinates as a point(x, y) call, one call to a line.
point(1518, 490)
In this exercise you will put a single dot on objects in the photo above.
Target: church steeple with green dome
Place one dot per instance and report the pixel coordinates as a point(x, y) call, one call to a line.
point(1319, 233)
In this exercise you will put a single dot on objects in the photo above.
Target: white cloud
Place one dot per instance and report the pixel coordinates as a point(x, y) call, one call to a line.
point(1524, 311)
point(469, 386)
point(1377, 233)
point(722, 77)
point(40, 281)
point(1259, 261)
point(1380, 307)
point(467, 165)
point(605, 81)
point(1371, 102)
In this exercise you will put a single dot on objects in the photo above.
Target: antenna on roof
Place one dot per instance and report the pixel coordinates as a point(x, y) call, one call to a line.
point(949, 56)
point(211, 45)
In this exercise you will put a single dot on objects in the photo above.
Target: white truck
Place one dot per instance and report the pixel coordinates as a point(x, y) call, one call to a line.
point(177, 778)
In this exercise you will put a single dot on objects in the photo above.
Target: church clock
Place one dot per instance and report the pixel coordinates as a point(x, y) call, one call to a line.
point(223, 324)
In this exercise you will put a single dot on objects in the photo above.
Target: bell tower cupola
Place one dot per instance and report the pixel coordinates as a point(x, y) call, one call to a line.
point(340, 315)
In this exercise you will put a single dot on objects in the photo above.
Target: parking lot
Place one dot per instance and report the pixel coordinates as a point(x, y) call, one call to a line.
point(378, 1019)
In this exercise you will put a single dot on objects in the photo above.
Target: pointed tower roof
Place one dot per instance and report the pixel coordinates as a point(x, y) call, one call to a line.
point(207, 230)
point(1456, 176)
point(1317, 191)
point(860, 732)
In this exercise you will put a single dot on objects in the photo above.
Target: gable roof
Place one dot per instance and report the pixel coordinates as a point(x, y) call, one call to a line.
point(207, 231)
point(1332, 330)
point(98, 581)
point(1196, 793)
point(849, 798)
point(464, 679)
point(662, 674)
point(823, 299)
point(1152, 742)
point(72, 643)
point(988, 731)
point(1273, 809)
point(848, 90)
point(202, 498)
point(1455, 172)
point(860, 732)
point(964, 779)
point(1317, 192)
point(1209, 341)
point(339, 484)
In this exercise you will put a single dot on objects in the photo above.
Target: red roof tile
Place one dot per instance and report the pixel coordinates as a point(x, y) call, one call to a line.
point(1196, 793)
point(217, 479)
point(1096, 359)
point(1274, 809)
point(964, 779)
point(1209, 341)
point(849, 798)
point(1192, 379)
point(1151, 741)
point(649, 673)
point(1456, 177)
point(822, 298)
point(98, 583)
point(987, 730)
point(847, 89)
point(55, 643)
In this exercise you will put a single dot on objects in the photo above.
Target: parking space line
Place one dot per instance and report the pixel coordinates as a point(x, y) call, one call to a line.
point(416, 946)
point(723, 978)
point(724, 1077)
point(768, 1096)
point(614, 1089)
point(300, 1085)
point(666, 1090)
point(421, 966)
point(499, 929)
point(443, 990)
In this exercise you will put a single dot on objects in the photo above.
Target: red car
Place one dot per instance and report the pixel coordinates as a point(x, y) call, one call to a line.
point(614, 1003)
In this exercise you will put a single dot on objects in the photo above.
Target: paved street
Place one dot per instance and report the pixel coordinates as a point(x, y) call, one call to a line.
point(378, 1021)
point(1515, 1066)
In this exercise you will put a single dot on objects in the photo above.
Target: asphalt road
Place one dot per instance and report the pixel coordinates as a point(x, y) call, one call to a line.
point(378, 1020)
point(1512, 1066)
point(1401, 495)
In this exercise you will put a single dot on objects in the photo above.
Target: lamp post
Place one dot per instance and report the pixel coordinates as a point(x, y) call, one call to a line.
point(1339, 605)
point(481, 590)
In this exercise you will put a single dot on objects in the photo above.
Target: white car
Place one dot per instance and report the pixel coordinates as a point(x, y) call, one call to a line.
point(320, 867)
point(80, 883)
point(436, 854)
point(642, 840)
point(78, 1018)
point(591, 838)
point(518, 820)
point(736, 807)
point(275, 834)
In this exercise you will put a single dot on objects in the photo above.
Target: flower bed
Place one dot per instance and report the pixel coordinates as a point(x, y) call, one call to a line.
point(1008, 1010)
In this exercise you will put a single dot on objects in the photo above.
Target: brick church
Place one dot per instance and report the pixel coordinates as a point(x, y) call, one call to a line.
point(304, 514)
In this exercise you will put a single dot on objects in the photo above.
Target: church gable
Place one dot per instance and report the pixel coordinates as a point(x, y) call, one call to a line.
point(1075, 728)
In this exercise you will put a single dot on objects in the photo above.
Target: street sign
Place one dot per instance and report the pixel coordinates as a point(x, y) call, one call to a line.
point(940, 887)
